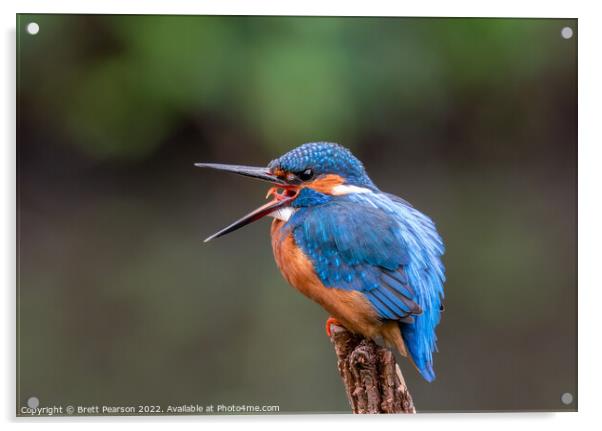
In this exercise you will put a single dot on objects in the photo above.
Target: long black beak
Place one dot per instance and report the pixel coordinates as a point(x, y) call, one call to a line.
point(280, 200)
point(247, 171)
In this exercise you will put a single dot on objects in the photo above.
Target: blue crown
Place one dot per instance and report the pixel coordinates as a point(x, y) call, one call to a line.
point(324, 158)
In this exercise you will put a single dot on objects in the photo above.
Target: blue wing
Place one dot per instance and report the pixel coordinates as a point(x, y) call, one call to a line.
point(379, 245)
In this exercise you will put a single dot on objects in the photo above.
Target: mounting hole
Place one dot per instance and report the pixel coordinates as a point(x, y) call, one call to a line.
point(33, 402)
point(566, 32)
point(33, 28)
point(567, 398)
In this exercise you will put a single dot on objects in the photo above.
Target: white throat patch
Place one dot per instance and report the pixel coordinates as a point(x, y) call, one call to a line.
point(283, 214)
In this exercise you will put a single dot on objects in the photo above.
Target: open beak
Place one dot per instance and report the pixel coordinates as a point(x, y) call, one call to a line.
point(283, 193)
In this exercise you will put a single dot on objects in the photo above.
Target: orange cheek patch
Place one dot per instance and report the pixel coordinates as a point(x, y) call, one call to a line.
point(279, 172)
point(326, 183)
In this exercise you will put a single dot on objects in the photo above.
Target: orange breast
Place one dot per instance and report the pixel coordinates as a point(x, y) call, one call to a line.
point(350, 308)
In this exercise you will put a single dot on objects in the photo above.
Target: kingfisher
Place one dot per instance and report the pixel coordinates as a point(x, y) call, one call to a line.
point(368, 257)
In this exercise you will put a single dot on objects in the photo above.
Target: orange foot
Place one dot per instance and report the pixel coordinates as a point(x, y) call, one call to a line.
point(331, 321)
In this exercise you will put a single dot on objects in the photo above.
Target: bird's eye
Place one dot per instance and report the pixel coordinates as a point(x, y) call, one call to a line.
point(306, 175)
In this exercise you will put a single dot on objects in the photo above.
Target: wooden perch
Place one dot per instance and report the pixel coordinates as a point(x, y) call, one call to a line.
point(372, 378)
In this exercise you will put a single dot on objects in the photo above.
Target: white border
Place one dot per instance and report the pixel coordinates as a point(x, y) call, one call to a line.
point(590, 216)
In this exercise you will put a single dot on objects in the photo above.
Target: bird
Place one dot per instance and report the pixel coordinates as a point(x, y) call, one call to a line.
point(369, 258)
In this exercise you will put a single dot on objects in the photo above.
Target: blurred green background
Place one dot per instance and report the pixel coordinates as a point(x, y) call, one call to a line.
point(474, 121)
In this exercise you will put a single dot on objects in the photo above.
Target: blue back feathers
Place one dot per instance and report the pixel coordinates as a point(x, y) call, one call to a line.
point(372, 242)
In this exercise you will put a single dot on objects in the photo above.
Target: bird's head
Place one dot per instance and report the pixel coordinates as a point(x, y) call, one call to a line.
point(308, 175)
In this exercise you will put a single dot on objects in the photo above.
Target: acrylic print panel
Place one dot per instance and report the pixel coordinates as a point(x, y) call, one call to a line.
point(123, 309)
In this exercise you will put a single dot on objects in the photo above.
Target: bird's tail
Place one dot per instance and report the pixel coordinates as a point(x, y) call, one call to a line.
point(403, 337)
point(419, 352)
point(397, 335)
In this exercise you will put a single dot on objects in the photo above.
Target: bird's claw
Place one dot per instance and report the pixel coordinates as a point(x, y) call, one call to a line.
point(331, 321)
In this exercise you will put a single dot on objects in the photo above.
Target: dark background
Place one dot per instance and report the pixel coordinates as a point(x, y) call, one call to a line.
point(474, 121)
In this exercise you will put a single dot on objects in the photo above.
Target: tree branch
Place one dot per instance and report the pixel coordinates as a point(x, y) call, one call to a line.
point(372, 379)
